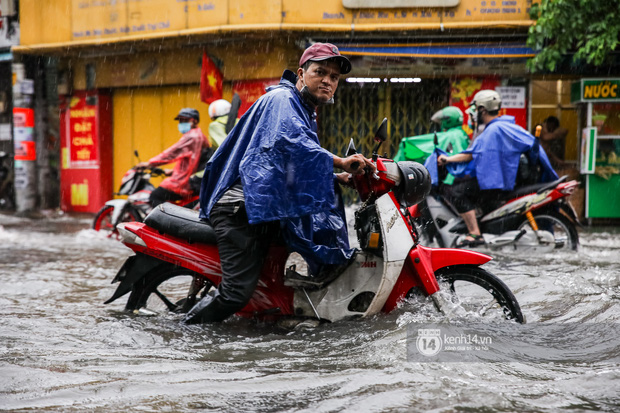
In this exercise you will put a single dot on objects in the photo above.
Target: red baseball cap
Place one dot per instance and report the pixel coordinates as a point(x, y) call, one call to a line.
point(323, 51)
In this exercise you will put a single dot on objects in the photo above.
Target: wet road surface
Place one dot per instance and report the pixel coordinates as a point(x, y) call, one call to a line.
point(61, 349)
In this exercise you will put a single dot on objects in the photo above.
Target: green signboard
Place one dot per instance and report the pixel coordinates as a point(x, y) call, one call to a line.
point(603, 197)
point(595, 90)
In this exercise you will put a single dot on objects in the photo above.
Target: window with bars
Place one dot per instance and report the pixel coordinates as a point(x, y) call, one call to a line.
point(360, 108)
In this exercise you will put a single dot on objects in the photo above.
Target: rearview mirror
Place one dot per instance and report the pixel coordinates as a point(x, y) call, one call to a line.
point(382, 133)
point(351, 149)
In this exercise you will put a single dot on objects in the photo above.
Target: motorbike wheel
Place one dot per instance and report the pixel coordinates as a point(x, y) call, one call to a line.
point(168, 289)
point(479, 291)
point(103, 220)
point(563, 230)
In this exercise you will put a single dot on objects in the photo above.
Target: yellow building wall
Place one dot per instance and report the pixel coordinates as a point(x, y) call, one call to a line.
point(87, 20)
point(45, 21)
point(247, 61)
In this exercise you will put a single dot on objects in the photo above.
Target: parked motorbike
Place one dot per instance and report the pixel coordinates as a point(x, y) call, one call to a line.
point(533, 218)
point(136, 185)
point(176, 262)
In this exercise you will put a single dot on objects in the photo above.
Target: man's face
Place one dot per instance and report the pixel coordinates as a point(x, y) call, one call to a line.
point(321, 79)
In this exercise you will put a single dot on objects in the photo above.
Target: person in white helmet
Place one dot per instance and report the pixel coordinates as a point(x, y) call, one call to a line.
point(493, 163)
point(218, 111)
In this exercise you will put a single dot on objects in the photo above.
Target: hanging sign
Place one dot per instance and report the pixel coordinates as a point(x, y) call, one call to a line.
point(82, 133)
point(23, 134)
point(595, 90)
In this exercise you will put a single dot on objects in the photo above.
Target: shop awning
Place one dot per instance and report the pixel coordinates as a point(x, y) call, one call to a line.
point(440, 51)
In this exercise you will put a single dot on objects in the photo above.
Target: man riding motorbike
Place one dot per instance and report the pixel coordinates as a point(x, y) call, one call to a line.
point(493, 161)
point(271, 177)
point(186, 153)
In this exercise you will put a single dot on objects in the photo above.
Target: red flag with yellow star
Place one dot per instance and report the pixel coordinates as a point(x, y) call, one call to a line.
point(210, 80)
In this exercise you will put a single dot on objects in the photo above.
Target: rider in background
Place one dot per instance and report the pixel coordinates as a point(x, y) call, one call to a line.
point(186, 153)
point(451, 138)
point(493, 163)
point(218, 111)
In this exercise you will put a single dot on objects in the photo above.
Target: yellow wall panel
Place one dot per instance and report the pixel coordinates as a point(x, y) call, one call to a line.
point(147, 123)
point(182, 66)
point(30, 23)
point(156, 15)
point(98, 19)
point(45, 21)
point(258, 61)
point(205, 14)
point(255, 12)
point(320, 12)
point(173, 99)
point(251, 60)
point(123, 158)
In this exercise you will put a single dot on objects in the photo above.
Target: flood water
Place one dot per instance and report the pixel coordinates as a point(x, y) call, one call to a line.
point(62, 349)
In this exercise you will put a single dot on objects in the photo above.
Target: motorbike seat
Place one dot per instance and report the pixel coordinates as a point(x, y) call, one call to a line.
point(530, 189)
point(184, 223)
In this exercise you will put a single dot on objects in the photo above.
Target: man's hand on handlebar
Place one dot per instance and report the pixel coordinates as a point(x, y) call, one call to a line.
point(355, 164)
point(143, 165)
point(346, 179)
point(442, 160)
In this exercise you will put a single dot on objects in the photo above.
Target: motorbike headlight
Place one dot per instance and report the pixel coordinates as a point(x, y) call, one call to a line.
point(415, 183)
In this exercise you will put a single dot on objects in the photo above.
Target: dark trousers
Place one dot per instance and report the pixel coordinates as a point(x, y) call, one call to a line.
point(465, 195)
point(242, 249)
point(161, 195)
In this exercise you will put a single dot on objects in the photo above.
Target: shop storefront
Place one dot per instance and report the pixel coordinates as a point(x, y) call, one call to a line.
point(147, 57)
point(599, 105)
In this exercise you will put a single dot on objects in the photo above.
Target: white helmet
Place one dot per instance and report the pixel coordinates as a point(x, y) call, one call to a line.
point(488, 99)
point(220, 107)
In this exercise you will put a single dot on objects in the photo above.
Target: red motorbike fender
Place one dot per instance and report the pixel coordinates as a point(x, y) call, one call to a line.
point(421, 265)
point(414, 211)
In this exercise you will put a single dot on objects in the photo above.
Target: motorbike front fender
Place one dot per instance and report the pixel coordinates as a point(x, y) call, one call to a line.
point(427, 261)
point(132, 271)
point(119, 206)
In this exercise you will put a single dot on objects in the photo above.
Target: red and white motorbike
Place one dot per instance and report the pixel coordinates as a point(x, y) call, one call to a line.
point(534, 218)
point(176, 262)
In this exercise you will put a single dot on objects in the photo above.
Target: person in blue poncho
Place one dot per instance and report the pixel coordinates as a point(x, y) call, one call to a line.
point(493, 163)
point(270, 178)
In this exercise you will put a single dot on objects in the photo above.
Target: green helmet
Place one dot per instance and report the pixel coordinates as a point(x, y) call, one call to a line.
point(448, 117)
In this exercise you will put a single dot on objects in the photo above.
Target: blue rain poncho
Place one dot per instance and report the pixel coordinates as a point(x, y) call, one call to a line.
point(496, 155)
point(286, 176)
